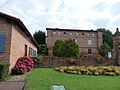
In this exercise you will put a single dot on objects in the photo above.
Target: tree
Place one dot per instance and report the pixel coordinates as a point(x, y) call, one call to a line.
point(43, 49)
point(66, 48)
point(104, 49)
point(40, 37)
point(57, 49)
point(107, 36)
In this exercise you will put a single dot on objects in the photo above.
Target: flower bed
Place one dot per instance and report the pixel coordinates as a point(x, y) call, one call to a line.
point(91, 70)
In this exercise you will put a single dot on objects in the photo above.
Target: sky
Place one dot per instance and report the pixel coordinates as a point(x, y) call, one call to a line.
point(70, 14)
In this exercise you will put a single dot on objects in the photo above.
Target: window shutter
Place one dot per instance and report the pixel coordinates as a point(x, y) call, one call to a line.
point(2, 43)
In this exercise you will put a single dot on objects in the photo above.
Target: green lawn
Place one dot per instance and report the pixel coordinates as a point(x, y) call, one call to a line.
point(44, 78)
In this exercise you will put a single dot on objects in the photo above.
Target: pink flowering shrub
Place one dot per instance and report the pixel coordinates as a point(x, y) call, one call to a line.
point(23, 65)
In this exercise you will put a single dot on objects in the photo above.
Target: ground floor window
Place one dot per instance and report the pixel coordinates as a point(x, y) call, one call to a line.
point(32, 52)
point(89, 51)
point(2, 42)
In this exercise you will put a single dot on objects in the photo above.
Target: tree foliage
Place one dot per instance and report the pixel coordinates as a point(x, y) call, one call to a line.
point(104, 49)
point(43, 49)
point(40, 37)
point(66, 48)
point(107, 36)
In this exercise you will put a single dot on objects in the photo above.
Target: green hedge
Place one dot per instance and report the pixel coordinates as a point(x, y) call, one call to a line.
point(4, 70)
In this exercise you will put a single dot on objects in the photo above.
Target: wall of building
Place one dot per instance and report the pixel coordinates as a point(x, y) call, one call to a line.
point(5, 29)
point(18, 42)
point(81, 37)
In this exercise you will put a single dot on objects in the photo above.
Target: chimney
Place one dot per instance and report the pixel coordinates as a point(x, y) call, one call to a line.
point(117, 29)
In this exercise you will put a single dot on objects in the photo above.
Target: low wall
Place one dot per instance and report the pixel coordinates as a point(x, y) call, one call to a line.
point(63, 61)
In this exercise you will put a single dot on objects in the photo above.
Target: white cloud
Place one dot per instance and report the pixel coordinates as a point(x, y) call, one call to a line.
point(82, 14)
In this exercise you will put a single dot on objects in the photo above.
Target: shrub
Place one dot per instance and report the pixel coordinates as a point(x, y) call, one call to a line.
point(37, 61)
point(66, 48)
point(100, 59)
point(4, 70)
point(23, 65)
point(43, 50)
point(104, 49)
point(91, 70)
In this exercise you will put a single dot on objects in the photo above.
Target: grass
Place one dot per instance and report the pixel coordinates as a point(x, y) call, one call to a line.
point(44, 78)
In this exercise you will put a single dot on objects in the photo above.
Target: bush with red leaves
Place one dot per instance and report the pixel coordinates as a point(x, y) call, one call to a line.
point(23, 65)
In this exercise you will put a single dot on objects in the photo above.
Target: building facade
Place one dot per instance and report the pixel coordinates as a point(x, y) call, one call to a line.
point(116, 47)
point(15, 40)
point(88, 40)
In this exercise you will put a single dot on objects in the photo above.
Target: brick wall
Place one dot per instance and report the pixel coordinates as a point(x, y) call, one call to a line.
point(18, 42)
point(82, 40)
point(5, 28)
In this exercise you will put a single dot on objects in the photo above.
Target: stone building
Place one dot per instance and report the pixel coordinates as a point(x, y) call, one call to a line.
point(116, 47)
point(15, 40)
point(88, 40)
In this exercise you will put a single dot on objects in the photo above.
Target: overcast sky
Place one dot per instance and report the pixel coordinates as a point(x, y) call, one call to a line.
point(78, 14)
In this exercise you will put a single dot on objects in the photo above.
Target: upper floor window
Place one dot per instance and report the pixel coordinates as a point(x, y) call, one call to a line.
point(2, 43)
point(64, 32)
point(54, 32)
point(59, 32)
point(70, 33)
point(88, 34)
point(89, 42)
point(77, 33)
point(82, 33)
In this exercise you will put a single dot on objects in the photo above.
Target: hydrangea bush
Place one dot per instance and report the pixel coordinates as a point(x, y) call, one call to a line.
point(23, 65)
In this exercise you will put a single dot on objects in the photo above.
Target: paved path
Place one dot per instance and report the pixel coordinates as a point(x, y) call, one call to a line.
point(12, 85)
point(15, 83)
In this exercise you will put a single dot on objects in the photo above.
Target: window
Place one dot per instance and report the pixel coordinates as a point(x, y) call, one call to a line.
point(82, 33)
point(2, 43)
point(89, 42)
point(25, 50)
point(88, 34)
point(89, 51)
point(59, 32)
point(70, 33)
point(54, 32)
point(32, 52)
point(64, 32)
point(77, 33)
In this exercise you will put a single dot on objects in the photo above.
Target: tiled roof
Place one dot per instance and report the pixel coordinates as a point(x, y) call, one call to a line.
point(20, 24)
point(71, 30)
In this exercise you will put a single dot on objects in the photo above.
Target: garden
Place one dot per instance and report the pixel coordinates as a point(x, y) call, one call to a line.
point(44, 78)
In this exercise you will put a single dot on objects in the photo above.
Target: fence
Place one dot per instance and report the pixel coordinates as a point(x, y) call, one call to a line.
point(63, 61)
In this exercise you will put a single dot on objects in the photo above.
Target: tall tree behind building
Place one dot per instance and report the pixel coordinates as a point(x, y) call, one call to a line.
point(40, 37)
point(107, 36)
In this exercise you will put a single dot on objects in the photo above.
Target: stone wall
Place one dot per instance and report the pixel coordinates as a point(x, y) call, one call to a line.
point(62, 61)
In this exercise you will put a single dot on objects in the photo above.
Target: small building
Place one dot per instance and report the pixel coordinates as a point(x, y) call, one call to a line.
point(88, 40)
point(15, 40)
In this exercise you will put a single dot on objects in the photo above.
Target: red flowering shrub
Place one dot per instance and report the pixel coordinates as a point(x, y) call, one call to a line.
point(23, 65)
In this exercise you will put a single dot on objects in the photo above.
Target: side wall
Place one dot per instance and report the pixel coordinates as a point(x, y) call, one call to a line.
point(18, 42)
point(5, 29)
